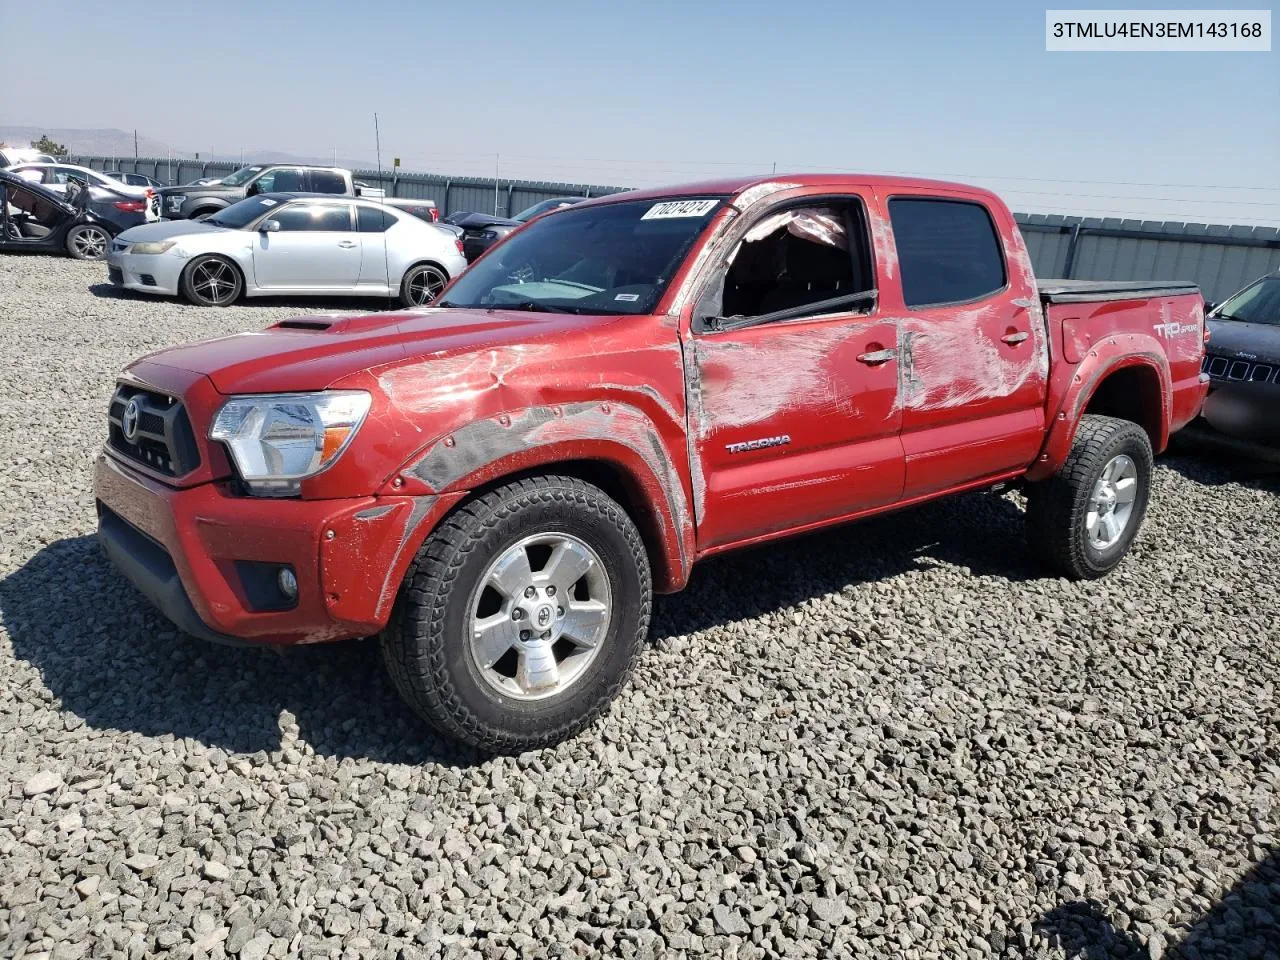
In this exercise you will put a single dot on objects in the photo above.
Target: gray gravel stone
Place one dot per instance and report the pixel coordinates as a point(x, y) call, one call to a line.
point(899, 739)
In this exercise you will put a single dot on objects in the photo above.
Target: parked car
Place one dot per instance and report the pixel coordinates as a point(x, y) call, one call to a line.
point(480, 231)
point(289, 244)
point(197, 201)
point(1242, 362)
point(496, 486)
point(134, 179)
point(56, 176)
point(33, 218)
point(9, 156)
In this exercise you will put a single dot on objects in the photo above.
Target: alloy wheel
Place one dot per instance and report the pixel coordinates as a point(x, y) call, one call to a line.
point(214, 280)
point(1111, 502)
point(90, 243)
point(425, 285)
point(539, 616)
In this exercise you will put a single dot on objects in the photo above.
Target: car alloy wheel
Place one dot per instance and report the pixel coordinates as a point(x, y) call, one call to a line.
point(215, 281)
point(533, 632)
point(423, 285)
point(90, 243)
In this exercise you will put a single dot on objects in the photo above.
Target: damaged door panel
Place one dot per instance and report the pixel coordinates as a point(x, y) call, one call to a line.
point(793, 378)
point(973, 343)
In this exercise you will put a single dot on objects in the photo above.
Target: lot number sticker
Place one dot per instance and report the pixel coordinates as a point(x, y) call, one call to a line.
point(672, 209)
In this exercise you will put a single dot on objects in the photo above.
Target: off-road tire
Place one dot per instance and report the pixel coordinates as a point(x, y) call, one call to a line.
point(1057, 507)
point(190, 284)
point(425, 643)
point(88, 242)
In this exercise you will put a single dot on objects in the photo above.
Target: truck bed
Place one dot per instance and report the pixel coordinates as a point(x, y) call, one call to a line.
point(1088, 291)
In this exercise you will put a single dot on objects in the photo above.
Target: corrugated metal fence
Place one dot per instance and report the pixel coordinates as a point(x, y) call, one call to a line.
point(1222, 259)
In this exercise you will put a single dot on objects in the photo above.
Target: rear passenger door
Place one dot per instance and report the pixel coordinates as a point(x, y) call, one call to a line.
point(972, 343)
point(316, 248)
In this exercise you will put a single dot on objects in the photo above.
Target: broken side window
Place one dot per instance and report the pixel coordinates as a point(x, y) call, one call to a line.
point(795, 257)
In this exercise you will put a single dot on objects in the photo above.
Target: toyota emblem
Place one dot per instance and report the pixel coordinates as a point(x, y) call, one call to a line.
point(129, 422)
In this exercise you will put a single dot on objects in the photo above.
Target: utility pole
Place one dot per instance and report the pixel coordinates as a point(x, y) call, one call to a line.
point(377, 142)
point(135, 148)
point(497, 162)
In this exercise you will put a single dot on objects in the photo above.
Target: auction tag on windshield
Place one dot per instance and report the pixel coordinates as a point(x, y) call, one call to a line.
point(268, 202)
point(671, 209)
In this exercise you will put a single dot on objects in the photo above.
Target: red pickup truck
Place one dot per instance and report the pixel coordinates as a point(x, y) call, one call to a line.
point(497, 484)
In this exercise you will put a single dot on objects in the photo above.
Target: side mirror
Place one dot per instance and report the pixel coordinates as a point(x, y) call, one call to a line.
point(252, 190)
point(269, 226)
point(1209, 307)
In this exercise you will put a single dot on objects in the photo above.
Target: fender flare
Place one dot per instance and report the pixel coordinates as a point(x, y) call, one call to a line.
point(1107, 356)
point(617, 435)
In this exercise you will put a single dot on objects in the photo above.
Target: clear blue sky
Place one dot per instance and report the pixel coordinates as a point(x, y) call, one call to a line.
point(656, 92)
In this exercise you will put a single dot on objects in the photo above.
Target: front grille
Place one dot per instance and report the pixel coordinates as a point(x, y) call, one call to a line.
point(1232, 370)
point(164, 440)
point(147, 279)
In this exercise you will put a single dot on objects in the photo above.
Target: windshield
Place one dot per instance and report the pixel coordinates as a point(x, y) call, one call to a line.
point(611, 259)
point(528, 213)
point(242, 214)
point(241, 176)
point(1257, 303)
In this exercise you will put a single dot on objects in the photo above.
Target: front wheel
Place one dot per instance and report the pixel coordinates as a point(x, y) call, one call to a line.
point(212, 282)
point(522, 616)
point(421, 285)
point(1083, 519)
point(88, 242)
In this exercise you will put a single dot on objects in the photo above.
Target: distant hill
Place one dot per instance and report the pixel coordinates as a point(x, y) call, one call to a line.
point(119, 143)
point(104, 143)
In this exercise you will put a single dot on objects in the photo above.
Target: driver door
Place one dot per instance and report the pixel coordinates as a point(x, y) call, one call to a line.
point(795, 420)
point(316, 248)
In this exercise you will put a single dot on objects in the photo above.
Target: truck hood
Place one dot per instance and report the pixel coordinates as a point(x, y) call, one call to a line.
point(314, 352)
point(202, 190)
point(1248, 341)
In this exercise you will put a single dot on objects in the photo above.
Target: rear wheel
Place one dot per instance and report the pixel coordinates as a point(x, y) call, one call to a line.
point(88, 242)
point(422, 284)
point(212, 281)
point(1083, 520)
point(522, 615)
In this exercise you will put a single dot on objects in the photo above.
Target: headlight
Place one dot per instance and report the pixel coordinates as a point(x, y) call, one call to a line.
point(276, 440)
point(155, 247)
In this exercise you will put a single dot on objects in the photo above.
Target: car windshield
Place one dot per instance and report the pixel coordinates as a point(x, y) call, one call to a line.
point(616, 258)
point(241, 176)
point(528, 213)
point(241, 214)
point(1257, 303)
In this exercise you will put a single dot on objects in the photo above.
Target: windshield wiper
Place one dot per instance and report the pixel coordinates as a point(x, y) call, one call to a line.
point(534, 306)
point(721, 324)
point(1227, 316)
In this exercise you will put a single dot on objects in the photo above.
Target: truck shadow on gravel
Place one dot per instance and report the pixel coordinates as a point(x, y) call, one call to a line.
point(117, 664)
point(1243, 925)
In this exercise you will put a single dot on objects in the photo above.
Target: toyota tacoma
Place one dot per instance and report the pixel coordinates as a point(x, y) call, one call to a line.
point(497, 484)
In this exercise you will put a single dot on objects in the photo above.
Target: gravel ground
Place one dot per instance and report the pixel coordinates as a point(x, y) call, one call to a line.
point(896, 740)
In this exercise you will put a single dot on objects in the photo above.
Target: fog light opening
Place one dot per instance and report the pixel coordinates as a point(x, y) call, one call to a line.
point(288, 583)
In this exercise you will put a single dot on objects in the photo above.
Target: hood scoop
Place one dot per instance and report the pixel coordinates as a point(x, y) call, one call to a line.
point(370, 323)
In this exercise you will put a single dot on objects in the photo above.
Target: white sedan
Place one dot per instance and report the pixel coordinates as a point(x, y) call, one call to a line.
point(289, 244)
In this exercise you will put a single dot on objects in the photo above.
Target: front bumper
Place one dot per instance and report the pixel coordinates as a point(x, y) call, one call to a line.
point(201, 554)
point(159, 273)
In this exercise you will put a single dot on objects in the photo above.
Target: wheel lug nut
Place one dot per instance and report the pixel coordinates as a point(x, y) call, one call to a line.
point(559, 611)
point(529, 591)
point(525, 634)
point(517, 614)
point(551, 591)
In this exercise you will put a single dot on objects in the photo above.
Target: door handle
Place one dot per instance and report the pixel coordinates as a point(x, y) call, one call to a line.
point(1013, 339)
point(876, 357)
point(346, 243)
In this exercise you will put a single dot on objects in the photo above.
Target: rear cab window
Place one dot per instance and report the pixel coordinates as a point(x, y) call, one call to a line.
point(948, 251)
point(327, 181)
